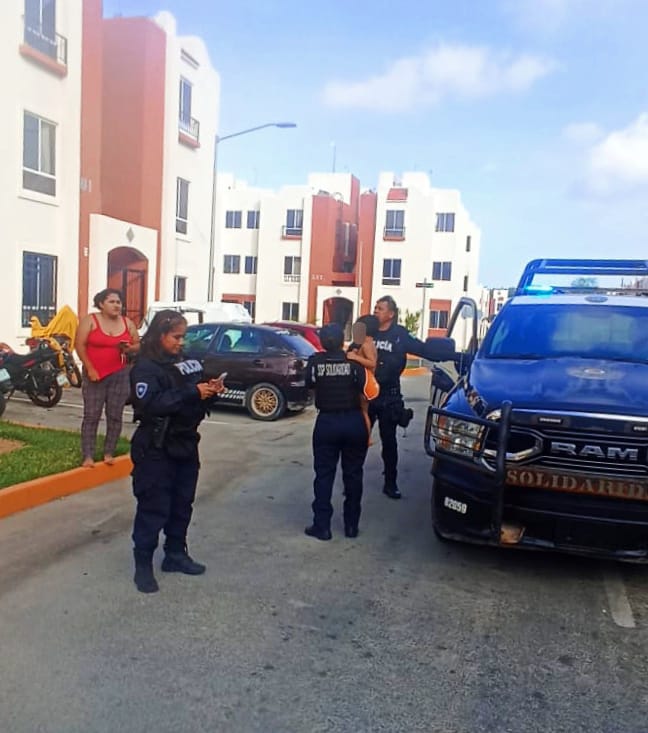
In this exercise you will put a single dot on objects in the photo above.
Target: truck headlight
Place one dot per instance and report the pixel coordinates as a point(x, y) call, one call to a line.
point(457, 436)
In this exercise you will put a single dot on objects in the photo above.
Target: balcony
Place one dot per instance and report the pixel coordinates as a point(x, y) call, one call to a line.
point(394, 234)
point(46, 48)
point(292, 278)
point(291, 232)
point(189, 132)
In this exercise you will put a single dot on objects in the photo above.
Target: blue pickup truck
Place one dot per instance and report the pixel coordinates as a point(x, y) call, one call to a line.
point(539, 434)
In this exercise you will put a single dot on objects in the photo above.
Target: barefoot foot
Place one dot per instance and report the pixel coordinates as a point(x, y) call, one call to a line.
point(88, 463)
point(109, 460)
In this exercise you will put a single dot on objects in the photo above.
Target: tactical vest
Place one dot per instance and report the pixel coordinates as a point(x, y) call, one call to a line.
point(336, 382)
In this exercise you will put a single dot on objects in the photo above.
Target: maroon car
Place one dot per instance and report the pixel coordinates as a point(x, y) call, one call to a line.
point(308, 330)
point(265, 366)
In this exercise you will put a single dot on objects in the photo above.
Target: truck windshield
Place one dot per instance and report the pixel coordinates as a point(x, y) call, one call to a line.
point(555, 330)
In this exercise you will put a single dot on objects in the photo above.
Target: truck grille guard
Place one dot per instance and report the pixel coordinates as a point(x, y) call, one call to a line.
point(475, 458)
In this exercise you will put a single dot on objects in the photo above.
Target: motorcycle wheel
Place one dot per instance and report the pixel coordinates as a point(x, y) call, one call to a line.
point(74, 375)
point(48, 397)
point(3, 404)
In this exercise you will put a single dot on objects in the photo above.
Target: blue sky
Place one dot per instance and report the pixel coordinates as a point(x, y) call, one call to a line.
point(536, 110)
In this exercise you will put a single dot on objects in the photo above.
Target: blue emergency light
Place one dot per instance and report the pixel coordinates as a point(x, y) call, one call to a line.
point(585, 268)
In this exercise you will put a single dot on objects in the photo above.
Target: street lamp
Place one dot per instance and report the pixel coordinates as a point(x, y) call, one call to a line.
point(212, 235)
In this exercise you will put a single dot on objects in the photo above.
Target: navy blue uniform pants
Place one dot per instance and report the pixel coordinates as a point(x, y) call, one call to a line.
point(338, 435)
point(383, 410)
point(165, 489)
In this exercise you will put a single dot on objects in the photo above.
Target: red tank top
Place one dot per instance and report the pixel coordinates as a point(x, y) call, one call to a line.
point(103, 350)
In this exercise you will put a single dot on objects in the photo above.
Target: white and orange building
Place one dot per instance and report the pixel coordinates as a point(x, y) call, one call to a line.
point(326, 250)
point(107, 148)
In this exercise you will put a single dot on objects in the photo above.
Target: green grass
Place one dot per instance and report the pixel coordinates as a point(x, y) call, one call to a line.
point(44, 452)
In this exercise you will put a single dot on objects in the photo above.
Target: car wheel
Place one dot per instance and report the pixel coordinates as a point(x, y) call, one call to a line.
point(265, 402)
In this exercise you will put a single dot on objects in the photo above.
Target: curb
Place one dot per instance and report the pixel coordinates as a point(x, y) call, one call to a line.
point(39, 491)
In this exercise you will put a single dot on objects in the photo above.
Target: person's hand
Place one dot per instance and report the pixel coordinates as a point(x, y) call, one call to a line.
point(206, 390)
point(92, 374)
point(124, 346)
point(352, 355)
point(218, 385)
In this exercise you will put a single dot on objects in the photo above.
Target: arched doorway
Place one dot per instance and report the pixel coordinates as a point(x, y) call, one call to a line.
point(339, 310)
point(128, 272)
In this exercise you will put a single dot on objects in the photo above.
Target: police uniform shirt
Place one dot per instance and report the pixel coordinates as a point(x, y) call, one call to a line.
point(168, 388)
point(393, 346)
point(337, 381)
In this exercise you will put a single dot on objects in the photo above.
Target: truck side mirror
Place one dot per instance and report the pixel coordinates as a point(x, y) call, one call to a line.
point(440, 349)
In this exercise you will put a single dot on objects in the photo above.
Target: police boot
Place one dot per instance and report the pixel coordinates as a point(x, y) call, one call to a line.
point(179, 561)
point(144, 578)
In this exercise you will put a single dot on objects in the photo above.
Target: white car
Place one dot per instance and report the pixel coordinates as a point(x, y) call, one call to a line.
point(199, 312)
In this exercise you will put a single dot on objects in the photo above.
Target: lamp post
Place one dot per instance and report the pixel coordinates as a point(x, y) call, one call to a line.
point(212, 234)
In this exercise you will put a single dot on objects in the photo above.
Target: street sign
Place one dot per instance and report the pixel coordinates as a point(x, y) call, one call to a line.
point(425, 284)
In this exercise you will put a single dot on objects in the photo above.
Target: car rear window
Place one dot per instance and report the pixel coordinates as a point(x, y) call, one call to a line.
point(296, 343)
point(198, 338)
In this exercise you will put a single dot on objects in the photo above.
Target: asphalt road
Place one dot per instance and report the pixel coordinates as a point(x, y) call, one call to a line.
point(393, 631)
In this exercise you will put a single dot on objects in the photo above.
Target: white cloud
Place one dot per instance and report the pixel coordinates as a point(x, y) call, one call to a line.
point(619, 163)
point(447, 71)
point(583, 133)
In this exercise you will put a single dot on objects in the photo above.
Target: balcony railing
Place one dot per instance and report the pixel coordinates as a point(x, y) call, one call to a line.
point(190, 127)
point(292, 278)
point(53, 45)
point(394, 233)
point(291, 232)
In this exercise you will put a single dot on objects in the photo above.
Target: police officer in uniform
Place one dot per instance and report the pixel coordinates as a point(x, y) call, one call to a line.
point(393, 344)
point(340, 431)
point(170, 398)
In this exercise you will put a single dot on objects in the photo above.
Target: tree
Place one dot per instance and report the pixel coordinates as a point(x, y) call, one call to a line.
point(412, 321)
point(584, 282)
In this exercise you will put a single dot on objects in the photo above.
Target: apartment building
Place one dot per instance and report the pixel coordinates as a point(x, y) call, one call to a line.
point(40, 53)
point(148, 228)
point(325, 251)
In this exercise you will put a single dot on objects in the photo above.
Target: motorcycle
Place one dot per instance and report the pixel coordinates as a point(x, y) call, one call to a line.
point(37, 374)
point(62, 346)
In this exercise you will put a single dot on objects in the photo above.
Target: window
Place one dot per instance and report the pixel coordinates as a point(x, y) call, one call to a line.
point(290, 311)
point(445, 222)
point(468, 243)
point(292, 269)
point(250, 307)
point(253, 219)
point(391, 272)
point(395, 223)
point(184, 116)
point(438, 319)
point(39, 155)
point(442, 270)
point(294, 222)
point(465, 284)
point(179, 288)
point(198, 338)
point(39, 287)
point(232, 264)
point(233, 219)
point(250, 265)
point(182, 205)
point(240, 340)
point(40, 26)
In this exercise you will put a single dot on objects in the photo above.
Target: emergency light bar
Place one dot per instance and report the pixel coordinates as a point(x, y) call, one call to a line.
point(586, 268)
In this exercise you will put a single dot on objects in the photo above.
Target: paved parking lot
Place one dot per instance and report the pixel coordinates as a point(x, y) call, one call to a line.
point(393, 631)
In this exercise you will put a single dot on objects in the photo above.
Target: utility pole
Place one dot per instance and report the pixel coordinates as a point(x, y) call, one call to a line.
point(425, 285)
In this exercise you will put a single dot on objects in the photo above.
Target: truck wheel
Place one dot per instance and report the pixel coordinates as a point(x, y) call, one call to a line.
point(266, 402)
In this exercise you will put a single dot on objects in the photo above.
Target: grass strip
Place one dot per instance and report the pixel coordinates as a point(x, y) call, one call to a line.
point(44, 453)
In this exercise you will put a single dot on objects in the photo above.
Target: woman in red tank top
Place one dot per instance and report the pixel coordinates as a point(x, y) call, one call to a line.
point(103, 342)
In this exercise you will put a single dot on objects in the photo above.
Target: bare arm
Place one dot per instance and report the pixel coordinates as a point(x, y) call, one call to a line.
point(134, 345)
point(80, 342)
point(366, 355)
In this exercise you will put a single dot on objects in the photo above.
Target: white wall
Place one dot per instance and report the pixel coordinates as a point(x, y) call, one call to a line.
point(188, 255)
point(32, 221)
point(422, 245)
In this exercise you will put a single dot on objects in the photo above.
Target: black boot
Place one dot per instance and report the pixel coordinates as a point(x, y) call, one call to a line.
point(144, 578)
point(181, 562)
point(319, 533)
point(391, 490)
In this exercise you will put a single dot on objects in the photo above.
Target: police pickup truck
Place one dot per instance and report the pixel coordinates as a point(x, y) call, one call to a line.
point(540, 434)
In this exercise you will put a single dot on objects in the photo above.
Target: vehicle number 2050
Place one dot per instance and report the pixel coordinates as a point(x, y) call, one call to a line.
point(456, 506)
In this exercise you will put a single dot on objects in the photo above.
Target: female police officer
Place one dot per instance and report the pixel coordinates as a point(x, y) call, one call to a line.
point(340, 430)
point(170, 400)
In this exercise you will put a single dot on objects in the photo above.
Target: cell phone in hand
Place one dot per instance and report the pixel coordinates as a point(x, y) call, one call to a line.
point(221, 377)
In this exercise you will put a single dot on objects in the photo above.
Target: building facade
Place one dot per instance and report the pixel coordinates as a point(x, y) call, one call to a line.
point(40, 153)
point(325, 251)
